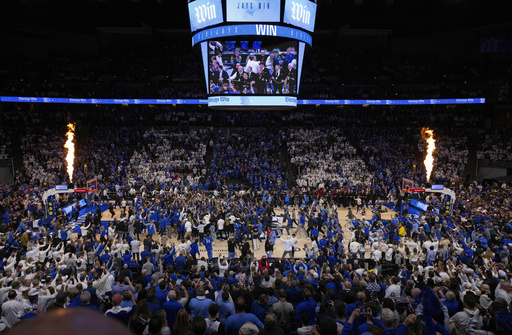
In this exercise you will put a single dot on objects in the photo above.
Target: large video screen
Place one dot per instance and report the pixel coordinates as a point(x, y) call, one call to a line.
point(205, 13)
point(253, 10)
point(253, 67)
point(300, 13)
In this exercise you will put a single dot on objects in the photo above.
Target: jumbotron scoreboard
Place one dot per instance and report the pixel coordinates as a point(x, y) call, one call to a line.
point(252, 50)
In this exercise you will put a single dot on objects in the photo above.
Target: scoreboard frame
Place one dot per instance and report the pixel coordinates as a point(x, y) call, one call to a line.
point(263, 20)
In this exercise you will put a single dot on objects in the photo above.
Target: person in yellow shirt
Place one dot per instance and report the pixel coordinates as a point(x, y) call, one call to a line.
point(401, 231)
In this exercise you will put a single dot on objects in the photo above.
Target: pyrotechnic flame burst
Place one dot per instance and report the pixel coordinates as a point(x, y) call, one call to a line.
point(70, 157)
point(428, 135)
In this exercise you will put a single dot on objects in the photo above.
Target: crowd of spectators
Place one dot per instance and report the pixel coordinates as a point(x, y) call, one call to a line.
point(6, 142)
point(325, 157)
point(183, 177)
point(105, 154)
point(169, 70)
point(450, 156)
point(389, 154)
point(361, 125)
point(415, 273)
point(504, 93)
point(43, 157)
point(495, 144)
point(248, 156)
point(144, 71)
point(403, 275)
point(167, 153)
point(359, 73)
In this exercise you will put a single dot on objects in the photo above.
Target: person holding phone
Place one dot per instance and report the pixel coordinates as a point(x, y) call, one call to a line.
point(393, 288)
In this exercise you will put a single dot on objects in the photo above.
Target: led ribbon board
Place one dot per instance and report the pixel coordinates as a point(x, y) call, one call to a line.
point(263, 30)
point(205, 101)
point(251, 100)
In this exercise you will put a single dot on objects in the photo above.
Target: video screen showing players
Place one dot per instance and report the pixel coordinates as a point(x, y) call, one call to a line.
point(252, 67)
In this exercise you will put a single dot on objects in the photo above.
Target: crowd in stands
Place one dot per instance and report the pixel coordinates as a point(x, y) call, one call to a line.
point(143, 71)
point(451, 155)
point(325, 157)
point(249, 156)
point(495, 145)
point(42, 157)
point(358, 73)
point(6, 142)
point(504, 92)
point(389, 153)
point(184, 177)
point(165, 153)
point(169, 70)
point(361, 125)
point(407, 275)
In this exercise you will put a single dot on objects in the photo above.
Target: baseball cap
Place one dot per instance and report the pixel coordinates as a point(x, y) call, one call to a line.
point(249, 328)
point(33, 292)
point(117, 298)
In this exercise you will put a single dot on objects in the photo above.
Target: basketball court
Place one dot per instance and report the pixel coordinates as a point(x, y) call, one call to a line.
point(220, 248)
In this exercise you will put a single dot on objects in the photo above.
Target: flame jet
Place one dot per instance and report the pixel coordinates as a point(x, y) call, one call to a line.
point(428, 135)
point(70, 157)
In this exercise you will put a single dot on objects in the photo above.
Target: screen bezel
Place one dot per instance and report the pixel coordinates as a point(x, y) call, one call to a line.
point(299, 56)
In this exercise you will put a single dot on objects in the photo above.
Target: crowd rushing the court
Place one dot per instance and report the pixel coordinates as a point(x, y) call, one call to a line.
point(360, 273)
point(408, 274)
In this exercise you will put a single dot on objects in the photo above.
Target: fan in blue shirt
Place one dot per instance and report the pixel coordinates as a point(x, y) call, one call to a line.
point(207, 242)
point(235, 322)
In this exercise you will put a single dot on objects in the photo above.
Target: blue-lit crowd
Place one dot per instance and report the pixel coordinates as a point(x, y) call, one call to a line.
point(156, 268)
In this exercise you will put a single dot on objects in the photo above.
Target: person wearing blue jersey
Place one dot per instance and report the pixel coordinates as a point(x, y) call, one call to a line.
point(6, 219)
point(150, 227)
point(314, 233)
point(235, 322)
point(194, 249)
point(178, 226)
point(208, 242)
point(161, 225)
point(169, 255)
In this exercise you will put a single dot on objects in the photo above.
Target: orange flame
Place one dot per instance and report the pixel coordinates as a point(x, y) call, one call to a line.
point(70, 157)
point(428, 135)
